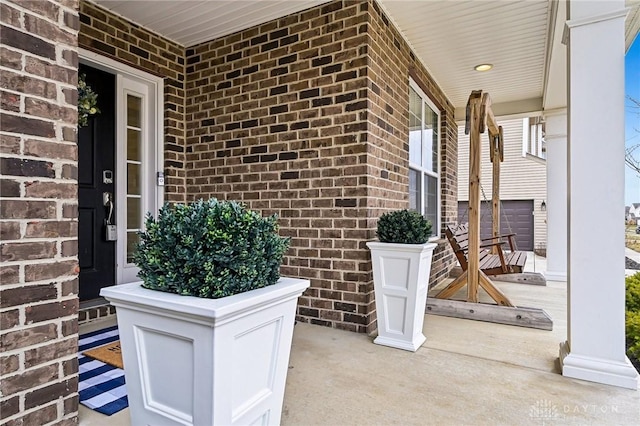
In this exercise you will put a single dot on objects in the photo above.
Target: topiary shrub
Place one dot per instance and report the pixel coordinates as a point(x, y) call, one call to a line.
point(209, 249)
point(403, 227)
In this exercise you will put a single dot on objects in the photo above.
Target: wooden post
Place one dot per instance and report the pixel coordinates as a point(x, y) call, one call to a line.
point(479, 116)
point(495, 187)
point(475, 152)
point(488, 118)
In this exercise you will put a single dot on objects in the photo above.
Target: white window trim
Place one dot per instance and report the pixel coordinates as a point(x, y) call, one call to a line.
point(537, 156)
point(525, 136)
point(128, 87)
point(435, 227)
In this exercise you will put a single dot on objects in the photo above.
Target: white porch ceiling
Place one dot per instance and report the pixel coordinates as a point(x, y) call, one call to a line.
point(190, 22)
point(450, 37)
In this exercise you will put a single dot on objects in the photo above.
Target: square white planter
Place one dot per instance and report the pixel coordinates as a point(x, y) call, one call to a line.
point(401, 281)
point(194, 361)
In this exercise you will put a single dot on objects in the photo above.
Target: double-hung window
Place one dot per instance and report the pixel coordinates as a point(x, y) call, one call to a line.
point(424, 154)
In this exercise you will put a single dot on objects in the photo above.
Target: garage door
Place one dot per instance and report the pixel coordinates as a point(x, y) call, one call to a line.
point(516, 217)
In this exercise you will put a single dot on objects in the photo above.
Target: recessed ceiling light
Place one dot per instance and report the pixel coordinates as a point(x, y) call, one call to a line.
point(483, 67)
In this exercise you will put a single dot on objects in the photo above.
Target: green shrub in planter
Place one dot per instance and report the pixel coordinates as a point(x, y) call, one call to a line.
point(209, 249)
point(403, 227)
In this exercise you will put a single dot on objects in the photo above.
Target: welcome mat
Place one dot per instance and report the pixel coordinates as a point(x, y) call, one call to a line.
point(101, 386)
point(109, 354)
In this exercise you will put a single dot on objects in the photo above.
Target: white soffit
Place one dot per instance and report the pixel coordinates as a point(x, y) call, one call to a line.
point(190, 22)
point(633, 22)
point(451, 37)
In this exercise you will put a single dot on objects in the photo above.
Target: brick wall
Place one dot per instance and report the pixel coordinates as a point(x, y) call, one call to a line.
point(392, 65)
point(293, 117)
point(112, 36)
point(300, 117)
point(89, 314)
point(276, 118)
point(38, 210)
point(305, 117)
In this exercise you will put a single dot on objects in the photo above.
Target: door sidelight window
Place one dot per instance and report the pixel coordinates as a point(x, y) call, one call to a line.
point(134, 172)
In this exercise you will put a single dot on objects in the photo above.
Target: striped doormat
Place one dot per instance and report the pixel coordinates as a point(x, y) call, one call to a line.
point(101, 386)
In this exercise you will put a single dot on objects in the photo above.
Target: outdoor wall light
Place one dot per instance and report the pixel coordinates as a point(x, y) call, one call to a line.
point(483, 67)
point(543, 206)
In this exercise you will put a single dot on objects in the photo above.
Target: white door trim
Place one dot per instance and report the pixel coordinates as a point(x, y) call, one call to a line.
point(156, 91)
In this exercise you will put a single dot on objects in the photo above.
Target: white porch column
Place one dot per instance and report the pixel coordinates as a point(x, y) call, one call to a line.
point(595, 349)
point(556, 138)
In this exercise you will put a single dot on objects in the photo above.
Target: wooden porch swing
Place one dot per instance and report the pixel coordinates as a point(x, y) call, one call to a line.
point(494, 260)
point(475, 274)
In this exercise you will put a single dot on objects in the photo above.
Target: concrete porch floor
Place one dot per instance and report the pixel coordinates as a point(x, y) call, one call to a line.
point(467, 372)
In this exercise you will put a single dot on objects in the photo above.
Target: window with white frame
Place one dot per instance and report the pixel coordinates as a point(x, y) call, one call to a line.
point(533, 142)
point(424, 154)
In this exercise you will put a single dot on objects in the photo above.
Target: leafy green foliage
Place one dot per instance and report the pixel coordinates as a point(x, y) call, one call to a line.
point(87, 102)
point(209, 249)
point(632, 317)
point(632, 285)
point(403, 227)
point(633, 333)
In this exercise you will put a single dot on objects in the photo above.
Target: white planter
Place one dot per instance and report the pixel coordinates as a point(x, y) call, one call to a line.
point(193, 361)
point(401, 281)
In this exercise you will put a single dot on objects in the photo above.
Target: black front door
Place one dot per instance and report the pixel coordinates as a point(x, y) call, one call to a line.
point(96, 187)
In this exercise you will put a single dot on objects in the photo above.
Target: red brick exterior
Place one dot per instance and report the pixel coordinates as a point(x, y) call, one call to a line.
point(305, 116)
point(392, 64)
point(38, 228)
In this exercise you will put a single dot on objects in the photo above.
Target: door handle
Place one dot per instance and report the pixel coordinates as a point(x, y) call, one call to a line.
point(107, 201)
point(110, 230)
